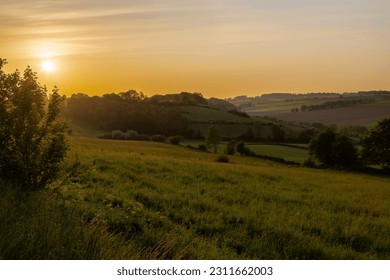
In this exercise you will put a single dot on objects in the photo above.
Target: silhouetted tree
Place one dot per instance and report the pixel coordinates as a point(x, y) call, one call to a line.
point(332, 149)
point(231, 147)
point(213, 138)
point(32, 138)
point(376, 145)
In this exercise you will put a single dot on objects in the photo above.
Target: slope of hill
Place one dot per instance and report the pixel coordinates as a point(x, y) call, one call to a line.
point(171, 202)
point(358, 115)
point(361, 108)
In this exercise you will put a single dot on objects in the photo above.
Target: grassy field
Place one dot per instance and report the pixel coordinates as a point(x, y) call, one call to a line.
point(204, 114)
point(288, 153)
point(281, 106)
point(367, 114)
point(158, 201)
point(295, 152)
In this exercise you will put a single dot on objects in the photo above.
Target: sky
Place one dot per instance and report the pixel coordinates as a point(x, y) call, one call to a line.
point(220, 48)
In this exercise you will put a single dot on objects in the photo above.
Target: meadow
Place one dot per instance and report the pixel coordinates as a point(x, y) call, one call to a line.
point(131, 200)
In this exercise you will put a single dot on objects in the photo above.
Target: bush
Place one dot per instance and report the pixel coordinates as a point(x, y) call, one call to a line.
point(222, 158)
point(176, 139)
point(231, 147)
point(32, 138)
point(202, 147)
point(332, 149)
point(376, 146)
point(243, 150)
point(158, 138)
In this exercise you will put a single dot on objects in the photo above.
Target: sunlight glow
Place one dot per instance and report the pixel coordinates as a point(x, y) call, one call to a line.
point(48, 66)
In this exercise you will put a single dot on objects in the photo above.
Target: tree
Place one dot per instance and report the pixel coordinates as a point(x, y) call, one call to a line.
point(231, 147)
point(332, 149)
point(32, 138)
point(376, 145)
point(213, 138)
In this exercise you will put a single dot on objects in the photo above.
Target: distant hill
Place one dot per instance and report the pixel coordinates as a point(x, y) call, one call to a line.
point(356, 108)
point(221, 104)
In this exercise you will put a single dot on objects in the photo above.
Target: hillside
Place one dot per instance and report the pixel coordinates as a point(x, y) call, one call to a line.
point(187, 114)
point(168, 202)
point(358, 115)
point(361, 108)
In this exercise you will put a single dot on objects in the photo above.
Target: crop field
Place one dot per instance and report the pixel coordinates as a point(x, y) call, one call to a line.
point(171, 202)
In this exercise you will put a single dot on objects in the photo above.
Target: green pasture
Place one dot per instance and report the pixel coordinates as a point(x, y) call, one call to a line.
point(279, 107)
point(177, 203)
point(205, 114)
point(159, 201)
point(286, 152)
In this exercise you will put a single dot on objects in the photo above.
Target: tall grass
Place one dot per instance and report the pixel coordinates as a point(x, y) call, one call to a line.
point(146, 200)
point(36, 226)
point(170, 202)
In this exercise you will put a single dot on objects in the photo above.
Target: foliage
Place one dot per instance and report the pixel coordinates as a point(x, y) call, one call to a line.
point(332, 149)
point(179, 203)
point(32, 138)
point(126, 111)
point(158, 138)
point(376, 145)
point(239, 113)
point(231, 147)
point(243, 150)
point(213, 138)
point(337, 104)
point(222, 158)
point(183, 98)
point(202, 147)
point(176, 139)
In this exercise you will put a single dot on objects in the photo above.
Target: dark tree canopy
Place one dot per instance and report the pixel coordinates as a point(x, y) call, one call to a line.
point(32, 138)
point(213, 138)
point(376, 146)
point(332, 149)
point(128, 110)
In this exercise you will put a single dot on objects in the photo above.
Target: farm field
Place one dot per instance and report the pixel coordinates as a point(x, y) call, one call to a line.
point(357, 115)
point(367, 114)
point(286, 152)
point(281, 106)
point(295, 152)
point(170, 202)
point(205, 114)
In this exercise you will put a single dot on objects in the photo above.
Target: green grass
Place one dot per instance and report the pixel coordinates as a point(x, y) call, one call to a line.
point(40, 226)
point(161, 201)
point(285, 106)
point(179, 203)
point(204, 114)
point(288, 153)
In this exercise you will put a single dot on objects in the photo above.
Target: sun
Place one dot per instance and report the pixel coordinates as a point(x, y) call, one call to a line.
point(48, 66)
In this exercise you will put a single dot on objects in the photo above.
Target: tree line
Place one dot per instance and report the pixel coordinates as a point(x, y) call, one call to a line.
point(333, 105)
point(129, 110)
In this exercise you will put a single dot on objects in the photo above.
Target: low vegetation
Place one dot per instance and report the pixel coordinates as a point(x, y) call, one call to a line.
point(170, 202)
point(111, 199)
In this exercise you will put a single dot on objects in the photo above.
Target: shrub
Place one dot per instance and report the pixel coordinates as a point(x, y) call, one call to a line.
point(376, 146)
point(222, 158)
point(158, 138)
point(176, 139)
point(213, 138)
point(202, 147)
point(231, 147)
point(32, 138)
point(332, 149)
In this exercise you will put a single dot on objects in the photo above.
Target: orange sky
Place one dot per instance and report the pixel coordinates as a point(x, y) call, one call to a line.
point(219, 48)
